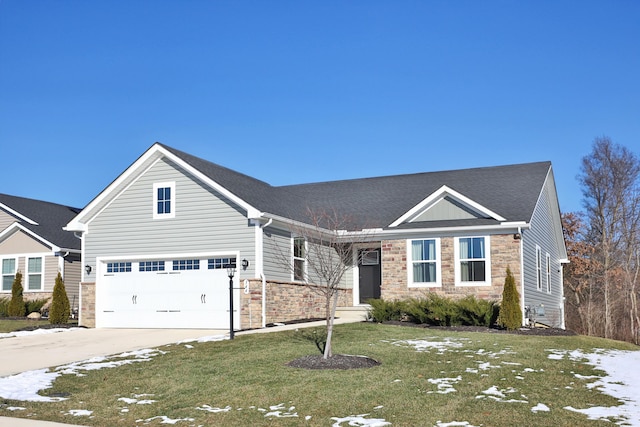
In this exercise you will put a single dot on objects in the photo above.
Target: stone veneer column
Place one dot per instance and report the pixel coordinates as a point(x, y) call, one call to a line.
point(88, 304)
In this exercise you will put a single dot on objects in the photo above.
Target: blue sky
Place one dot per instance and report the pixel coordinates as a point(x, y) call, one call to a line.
point(304, 91)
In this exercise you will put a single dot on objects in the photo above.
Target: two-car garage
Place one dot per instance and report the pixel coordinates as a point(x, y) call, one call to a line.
point(164, 292)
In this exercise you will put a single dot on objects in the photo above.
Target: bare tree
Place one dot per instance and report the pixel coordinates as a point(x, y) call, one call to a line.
point(610, 185)
point(323, 251)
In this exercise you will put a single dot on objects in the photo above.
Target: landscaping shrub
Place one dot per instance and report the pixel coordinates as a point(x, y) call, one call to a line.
point(477, 312)
point(384, 311)
point(4, 307)
point(60, 309)
point(35, 305)
point(510, 316)
point(16, 305)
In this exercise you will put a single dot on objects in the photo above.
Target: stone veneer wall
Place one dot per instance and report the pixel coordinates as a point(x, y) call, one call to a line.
point(505, 252)
point(285, 302)
point(88, 306)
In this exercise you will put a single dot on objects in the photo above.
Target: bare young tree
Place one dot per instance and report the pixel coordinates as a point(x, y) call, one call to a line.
point(610, 185)
point(323, 251)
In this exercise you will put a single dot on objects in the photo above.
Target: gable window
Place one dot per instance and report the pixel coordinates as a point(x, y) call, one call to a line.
point(299, 258)
point(424, 268)
point(164, 200)
point(34, 274)
point(8, 273)
point(473, 265)
point(548, 273)
point(539, 268)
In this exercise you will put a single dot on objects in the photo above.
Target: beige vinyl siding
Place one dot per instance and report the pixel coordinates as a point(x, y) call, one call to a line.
point(542, 234)
point(5, 220)
point(204, 221)
point(21, 243)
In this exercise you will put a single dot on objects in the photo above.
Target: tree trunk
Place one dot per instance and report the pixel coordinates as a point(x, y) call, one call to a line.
point(327, 349)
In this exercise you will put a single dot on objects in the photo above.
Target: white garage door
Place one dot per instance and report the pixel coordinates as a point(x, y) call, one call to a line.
point(165, 293)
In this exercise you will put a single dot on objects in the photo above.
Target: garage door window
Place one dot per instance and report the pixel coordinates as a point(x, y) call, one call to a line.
point(152, 266)
point(186, 264)
point(219, 263)
point(118, 267)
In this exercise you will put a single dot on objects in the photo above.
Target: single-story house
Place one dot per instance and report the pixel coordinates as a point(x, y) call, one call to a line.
point(155, 242)
point(33, 242)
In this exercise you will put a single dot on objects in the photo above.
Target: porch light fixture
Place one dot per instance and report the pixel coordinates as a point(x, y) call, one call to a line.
point(88, 269)
point(245, 263)
point(231, 271)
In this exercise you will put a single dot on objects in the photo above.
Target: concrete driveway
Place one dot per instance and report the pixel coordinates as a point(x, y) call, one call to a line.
point(27, 353)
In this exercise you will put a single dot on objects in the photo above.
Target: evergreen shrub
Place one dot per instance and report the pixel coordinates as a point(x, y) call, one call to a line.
point(16, 305)
point(60, 309)
point(510, 316)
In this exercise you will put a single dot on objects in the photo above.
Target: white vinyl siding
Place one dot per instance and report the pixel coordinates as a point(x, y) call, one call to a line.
point(423, 262)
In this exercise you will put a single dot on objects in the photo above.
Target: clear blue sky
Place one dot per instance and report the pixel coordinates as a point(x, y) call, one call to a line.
point(303, 91)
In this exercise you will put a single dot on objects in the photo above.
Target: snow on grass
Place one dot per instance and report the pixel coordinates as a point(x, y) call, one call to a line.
point(445, 385)
point(209, 408)
point(208, 338)
point(453, 424)
point(79, 412)
point(425, 345)
point(39, 331)
point(500, 395)
point(360, 420)
point(165, 420)
point(540, 407)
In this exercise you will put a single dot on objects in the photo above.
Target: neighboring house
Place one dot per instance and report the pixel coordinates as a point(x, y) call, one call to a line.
point(33, 242)
point(159, 236)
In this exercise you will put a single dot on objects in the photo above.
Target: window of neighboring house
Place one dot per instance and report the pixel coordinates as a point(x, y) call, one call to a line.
point(299, 258)
point(34, 274)
point(118, 267)
point(539, 268)
point(424, 268)
point(8, 273)
point(548, 273)
point(164, 200)
point(473, 262)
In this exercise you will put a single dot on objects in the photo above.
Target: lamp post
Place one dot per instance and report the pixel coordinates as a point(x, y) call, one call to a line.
point(231, 270)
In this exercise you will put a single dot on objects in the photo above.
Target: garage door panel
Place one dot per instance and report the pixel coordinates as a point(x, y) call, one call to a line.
point(194, 298)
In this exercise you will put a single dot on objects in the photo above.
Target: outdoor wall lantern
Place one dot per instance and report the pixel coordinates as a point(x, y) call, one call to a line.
point(231, 271)
point(88, 269)
point(245, 263)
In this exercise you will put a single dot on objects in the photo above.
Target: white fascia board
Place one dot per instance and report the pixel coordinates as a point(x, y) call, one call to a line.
point(18, 214)
point(439, 231)
point(16, 226)
point(440, 194)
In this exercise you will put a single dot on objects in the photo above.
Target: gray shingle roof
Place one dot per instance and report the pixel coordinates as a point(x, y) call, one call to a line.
point(511, 191)
point(50, 218)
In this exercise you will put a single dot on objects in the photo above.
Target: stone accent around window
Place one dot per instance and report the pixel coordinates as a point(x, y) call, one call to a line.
point(505, 252)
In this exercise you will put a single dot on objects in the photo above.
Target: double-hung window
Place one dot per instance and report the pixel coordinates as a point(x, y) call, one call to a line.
point(8, 273)
point(164, 200)
point(424, 262)
point(34, 274)
point(299, 258)
point(473, 264)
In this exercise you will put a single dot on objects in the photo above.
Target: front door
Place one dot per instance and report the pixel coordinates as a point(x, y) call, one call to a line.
point(370, 274)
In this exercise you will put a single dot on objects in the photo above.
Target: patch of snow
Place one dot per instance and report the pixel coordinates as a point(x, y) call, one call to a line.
point(135, 401)
point(425, 345)
point(15, 408)
point(79, 412)
point(25, 386)
point(445, 385)
point(41, 331)
point(165, 420)
point(360, 420)
point(209, 408)
point(208, 338)
point(540, 407)
point(279, 411)
point(499, 395)
point(453, 424)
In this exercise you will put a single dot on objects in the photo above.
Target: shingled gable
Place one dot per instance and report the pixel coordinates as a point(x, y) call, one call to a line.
point(42, 220)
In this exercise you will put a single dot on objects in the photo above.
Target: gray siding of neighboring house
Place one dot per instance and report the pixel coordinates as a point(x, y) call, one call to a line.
point(204, 221)
point(542, 234)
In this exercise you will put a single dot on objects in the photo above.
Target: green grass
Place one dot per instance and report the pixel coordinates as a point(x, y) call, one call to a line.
point(10, 325)
point(250, 373)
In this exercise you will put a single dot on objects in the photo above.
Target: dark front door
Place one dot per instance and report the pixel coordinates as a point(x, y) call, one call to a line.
point(370, 274)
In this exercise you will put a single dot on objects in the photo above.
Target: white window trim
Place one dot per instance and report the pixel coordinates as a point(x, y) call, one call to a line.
point(548, 272)
point(410, 281)
point(2, 274)
point(28, 274)
point(172, 186)
point(538, 268)
point(304, 260)
point(487, 262)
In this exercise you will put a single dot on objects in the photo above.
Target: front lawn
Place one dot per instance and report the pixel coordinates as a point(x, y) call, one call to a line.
point(426, 378)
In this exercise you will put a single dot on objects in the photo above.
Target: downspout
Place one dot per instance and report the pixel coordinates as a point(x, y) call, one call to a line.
point(522, 305)
point(264, 282)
